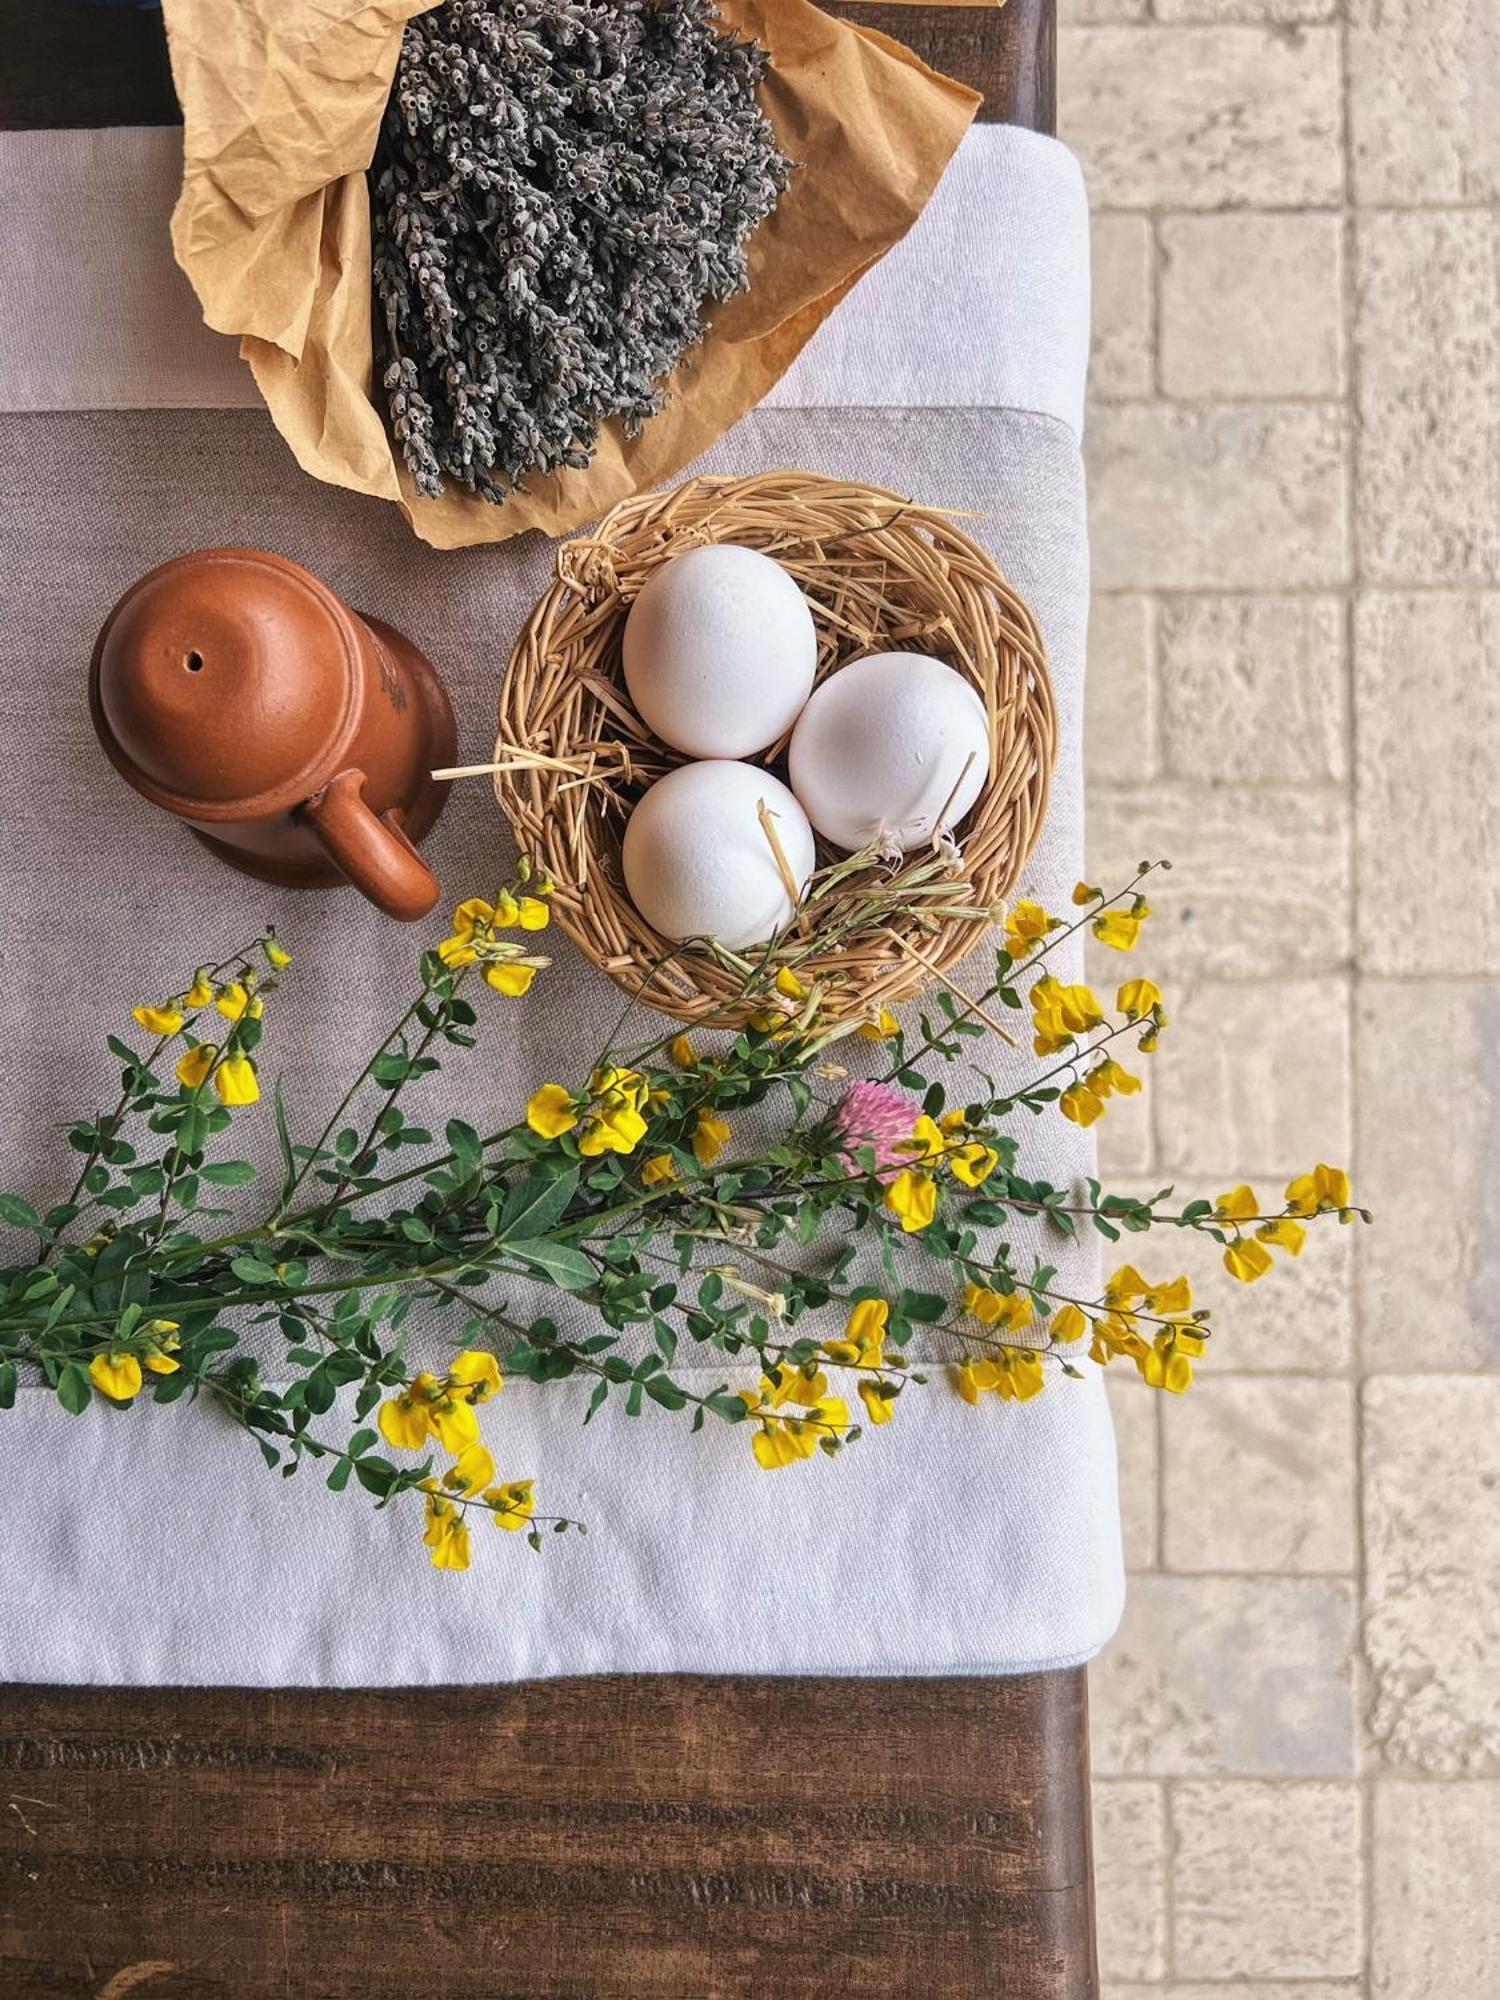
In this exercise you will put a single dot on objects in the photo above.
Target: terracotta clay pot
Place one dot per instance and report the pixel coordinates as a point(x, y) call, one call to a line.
point(235, 690)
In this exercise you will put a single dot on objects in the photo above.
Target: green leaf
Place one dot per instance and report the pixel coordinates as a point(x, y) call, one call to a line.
point(284, 1142)
point(537, 1205)
point(927, 1307)
point(7, 1384)
point(229, 1173)
point(74, 1390)
point(255, 1271)
point(377, 1476)
point(463, 1143)
point(19, 1214)
point(563, 1264)
point(319, 1392)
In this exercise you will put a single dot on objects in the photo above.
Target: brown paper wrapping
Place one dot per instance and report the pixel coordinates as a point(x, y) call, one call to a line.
point(282, 103)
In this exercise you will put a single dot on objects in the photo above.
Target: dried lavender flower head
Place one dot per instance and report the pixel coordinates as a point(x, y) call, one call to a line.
point(560, 190)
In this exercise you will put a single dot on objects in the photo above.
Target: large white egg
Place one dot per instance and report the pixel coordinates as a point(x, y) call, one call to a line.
point(697, 862)
point(882, 745)
point(720, 651)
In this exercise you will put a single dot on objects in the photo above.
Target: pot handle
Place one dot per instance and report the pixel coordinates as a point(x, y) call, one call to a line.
point(372, 850)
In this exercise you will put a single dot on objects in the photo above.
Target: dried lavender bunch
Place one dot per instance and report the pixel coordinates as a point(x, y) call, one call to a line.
point(561, 188)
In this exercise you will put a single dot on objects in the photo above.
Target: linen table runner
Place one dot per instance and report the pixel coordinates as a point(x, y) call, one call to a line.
point(152, 1545)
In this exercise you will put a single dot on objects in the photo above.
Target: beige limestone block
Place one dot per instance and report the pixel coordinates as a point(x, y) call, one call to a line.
point(1130, 1868)
point(1267, 1882)
point(1252, 305)
point(1209, 118)
point(1427, 341)
point(1073, 13)
point(1119, 736)
point(1260, 880)
point(1133, 1407)
point(1252, 1080)
point(1431, 1462)
point(1123, 254)
point(1254, 689)
point(1424, 101)
point(1427, 820)
point(1227, 1675)
point(1250, 1989)
point(1281, 12)
point(1435, 1891)
point(1428, 1167)
point(1259, 1476)
point(1217, 496)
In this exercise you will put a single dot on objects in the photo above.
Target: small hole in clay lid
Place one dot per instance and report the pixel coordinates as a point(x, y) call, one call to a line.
point(194, 663)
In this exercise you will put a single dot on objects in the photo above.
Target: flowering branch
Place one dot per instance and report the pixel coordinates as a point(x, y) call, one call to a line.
point(624, 1193)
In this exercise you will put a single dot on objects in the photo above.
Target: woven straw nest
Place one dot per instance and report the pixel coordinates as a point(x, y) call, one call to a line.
point(881, 573)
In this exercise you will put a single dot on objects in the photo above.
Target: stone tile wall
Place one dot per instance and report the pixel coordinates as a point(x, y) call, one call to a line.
point(1295, 693)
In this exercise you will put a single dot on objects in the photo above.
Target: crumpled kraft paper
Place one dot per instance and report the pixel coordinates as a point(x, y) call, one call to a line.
point(282, 103)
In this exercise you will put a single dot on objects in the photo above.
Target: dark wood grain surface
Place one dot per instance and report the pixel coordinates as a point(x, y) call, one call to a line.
point(62, 63)
point(653, 1839)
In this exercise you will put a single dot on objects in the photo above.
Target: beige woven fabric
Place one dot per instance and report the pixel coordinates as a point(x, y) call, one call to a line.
point(955, 1541)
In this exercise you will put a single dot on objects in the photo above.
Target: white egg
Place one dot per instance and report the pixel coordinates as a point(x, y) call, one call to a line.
point(720, 651)
point(882, 745)
point(697, 862)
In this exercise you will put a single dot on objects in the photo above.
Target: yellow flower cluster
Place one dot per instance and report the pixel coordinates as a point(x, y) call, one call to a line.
point(233, 1071)
point(1014, 1375)
point(1060, 1014)
point(796, 1414)
point(507, 967)
point(1083, 1101)
point(936, 1146)
point(116, 1372)
point(1323, 1191)
point(611, 1117)
point(1011, 1310)
point(1119, 929)
point(442, 1408)
point(1026, 924)
point(1164, 1358)
point(794, 1408)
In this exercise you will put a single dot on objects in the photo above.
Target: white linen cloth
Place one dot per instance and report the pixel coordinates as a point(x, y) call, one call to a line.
point(152, 1546)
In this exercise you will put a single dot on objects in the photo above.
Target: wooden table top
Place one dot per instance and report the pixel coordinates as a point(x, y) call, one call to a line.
point(666, 1838)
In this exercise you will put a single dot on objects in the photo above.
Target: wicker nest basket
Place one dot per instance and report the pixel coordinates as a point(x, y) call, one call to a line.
point(880, 573)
